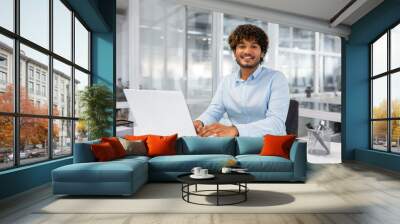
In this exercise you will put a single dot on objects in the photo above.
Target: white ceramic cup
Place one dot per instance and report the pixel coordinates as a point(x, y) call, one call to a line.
point(203, 172)
point(196, 170)
point(226, 170)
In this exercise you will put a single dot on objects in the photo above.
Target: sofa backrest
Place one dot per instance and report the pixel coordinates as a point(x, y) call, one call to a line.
point(192, 145)
point(249, 145)
point(83, 152)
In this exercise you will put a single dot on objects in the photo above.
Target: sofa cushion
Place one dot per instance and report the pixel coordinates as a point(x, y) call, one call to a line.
point(194, 145)
point(161, 145)
point(185, 163)
point(116, 145)
point(277, 145)
point(249, 145)
point(257, 163)
point(103, 152)
point(112, 171)
point(83, 152)
point(136, 137)
point(135, 147)
point(130, 158)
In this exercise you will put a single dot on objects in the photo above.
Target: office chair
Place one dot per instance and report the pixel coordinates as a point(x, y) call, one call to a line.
point(292, 119)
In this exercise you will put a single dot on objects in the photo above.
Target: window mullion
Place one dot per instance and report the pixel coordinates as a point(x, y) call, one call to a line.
point(16, 84)
point(50, 81)
point(217, 48)
point(389, 113)
point(186, 54)
point(73, 81)
point(371, 137)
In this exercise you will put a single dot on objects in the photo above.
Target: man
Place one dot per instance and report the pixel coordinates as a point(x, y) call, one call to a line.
point(256, 98)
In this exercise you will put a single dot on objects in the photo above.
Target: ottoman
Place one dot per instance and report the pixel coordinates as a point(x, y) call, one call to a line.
point(118, 177)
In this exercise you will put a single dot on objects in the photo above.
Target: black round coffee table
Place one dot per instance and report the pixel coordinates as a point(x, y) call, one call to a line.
point(238, 179)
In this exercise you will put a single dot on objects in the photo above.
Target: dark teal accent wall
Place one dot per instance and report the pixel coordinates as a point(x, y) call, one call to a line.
point(380, 159)
point(103, 64)
point(356, 100)
point(90, 12)
point(102, 58)
point(104, 52)
point(100, 17)
point(24, 178)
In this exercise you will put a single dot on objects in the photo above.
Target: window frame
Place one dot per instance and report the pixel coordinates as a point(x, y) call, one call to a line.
point(388, 74)
point(16, 114)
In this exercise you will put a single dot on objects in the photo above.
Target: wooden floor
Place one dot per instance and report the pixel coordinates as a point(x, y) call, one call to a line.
point(377, 188)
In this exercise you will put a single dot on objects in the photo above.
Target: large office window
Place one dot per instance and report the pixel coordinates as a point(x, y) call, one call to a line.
point(40, 80)
point(7, 14)
point(175, 49)
point(34, 21)
point(385, 96)
point(199, 73)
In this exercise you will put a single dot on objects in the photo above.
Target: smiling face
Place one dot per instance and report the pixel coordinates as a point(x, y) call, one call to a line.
point(248, 53)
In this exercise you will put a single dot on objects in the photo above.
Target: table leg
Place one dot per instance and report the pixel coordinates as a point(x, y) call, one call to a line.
point(196, 188)
point(188, 190)
point(245, 193)
point(182, 188)
point(217, 194)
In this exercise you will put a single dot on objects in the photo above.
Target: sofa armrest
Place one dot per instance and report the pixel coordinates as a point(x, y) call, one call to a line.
point(298, 155)
point(83, 152)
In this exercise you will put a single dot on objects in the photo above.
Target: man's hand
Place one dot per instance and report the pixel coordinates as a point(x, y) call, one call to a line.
point(198, 125)
point(219, 130)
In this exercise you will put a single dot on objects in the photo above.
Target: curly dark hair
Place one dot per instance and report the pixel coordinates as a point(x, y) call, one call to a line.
point(249, 32)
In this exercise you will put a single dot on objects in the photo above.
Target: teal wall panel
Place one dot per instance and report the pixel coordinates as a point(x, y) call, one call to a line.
point(91, 14)
point(24, 178)
point(104, 52)
point(376, 158)
point(103, 66)
point(103, 58)
point(356, 99)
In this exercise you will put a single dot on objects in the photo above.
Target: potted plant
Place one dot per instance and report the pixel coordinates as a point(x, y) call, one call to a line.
point(96, 102)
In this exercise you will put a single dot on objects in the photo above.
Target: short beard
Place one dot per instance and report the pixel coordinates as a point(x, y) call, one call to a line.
point(247, 65)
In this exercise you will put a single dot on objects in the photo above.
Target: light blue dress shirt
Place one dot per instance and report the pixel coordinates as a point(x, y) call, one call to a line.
point(256, 106)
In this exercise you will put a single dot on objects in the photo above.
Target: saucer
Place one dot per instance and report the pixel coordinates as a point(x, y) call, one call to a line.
point(208, 176)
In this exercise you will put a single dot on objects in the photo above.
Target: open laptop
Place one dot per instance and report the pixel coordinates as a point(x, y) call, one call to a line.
point(159, 112)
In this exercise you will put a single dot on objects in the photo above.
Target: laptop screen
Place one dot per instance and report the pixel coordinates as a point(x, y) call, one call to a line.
point(159, 112)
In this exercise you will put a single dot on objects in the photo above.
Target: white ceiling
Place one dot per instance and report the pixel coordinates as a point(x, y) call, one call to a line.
point(318, 9)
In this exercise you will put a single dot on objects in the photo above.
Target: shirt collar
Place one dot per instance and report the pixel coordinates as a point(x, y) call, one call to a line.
point(252, 76)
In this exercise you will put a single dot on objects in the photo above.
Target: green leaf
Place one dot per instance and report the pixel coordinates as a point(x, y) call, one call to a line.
point(97, 105)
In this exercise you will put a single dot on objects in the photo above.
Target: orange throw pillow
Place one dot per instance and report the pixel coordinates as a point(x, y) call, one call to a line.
point(161, 145)
point(136, 137)
point(116, 145)
point(277, 145)
point(103, 152)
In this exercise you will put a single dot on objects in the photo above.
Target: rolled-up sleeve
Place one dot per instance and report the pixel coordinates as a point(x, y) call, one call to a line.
point(216, 109)
point(275, 117)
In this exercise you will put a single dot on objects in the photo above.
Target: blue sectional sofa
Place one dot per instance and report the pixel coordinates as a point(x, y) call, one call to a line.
point(125, 176)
